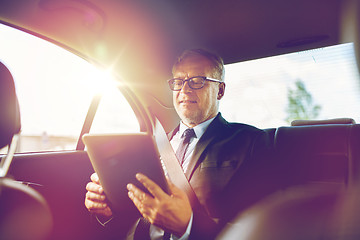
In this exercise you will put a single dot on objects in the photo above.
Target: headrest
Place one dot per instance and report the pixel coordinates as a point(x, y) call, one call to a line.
point(9, 107)
point(321, 122)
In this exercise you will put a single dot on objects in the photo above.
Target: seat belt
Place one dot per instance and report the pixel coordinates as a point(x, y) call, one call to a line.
point(171, 163)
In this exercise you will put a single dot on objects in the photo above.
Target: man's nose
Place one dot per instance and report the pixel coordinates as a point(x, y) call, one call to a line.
point(186, 87)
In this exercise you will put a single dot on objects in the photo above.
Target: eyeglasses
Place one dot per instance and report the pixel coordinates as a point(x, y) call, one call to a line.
point(176, 84)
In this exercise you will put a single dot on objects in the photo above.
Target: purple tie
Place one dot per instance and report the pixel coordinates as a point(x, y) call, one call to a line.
point(186, 137)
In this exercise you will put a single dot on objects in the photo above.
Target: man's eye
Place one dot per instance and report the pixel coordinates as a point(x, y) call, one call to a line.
point(177, 83)
point(197, 80)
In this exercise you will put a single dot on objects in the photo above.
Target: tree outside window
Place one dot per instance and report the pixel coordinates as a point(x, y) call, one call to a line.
point(301, 104)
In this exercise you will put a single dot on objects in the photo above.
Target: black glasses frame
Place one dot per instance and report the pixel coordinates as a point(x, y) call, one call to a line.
point(191, 82)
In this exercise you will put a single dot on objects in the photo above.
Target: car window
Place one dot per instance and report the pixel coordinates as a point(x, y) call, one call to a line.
point(114, 115)
point(55, 89)
point(315, 84)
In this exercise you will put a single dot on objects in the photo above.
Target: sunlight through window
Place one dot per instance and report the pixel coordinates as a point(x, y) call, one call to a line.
point(55, 88)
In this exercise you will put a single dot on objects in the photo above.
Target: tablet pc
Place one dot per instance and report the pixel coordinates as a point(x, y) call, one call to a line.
point(116, 158)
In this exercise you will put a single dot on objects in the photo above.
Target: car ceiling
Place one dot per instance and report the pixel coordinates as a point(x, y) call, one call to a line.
point(139, 39)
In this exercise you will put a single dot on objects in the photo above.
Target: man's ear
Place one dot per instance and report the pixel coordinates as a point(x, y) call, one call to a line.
point(221, 90)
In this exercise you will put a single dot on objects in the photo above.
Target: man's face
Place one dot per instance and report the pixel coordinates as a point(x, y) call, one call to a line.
point(196, 106)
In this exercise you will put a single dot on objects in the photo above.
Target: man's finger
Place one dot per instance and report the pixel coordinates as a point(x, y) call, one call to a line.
point(151, 186)
point(93, 205)
point(93, 187)
point(106, 211)
point(95, 178)
point(138, 195)
point(141, 200)
point(136, 201)
point(95, 197)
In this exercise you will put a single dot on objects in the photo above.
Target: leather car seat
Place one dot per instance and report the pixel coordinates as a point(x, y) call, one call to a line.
point(320, 200)
point(301, 122)
point(304, 212)
point(327, 154)
point(10, 115)
point(24, 213)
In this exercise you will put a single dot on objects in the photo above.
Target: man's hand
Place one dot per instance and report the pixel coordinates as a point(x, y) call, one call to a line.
point(95, 200)
point(169, 212)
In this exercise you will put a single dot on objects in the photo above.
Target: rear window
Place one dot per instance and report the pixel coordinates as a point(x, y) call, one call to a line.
point(315, 84)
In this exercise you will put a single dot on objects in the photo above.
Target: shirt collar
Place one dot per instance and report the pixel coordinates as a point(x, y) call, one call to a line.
point(198, 129)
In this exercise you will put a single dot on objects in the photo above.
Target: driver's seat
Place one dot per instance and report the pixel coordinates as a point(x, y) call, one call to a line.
point(24, 213)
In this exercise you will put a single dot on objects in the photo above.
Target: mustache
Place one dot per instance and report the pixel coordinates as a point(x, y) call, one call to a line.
point(187, 101)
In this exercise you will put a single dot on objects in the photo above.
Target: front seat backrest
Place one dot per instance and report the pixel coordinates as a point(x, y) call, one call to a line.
point(10, 114)
point(24, 213)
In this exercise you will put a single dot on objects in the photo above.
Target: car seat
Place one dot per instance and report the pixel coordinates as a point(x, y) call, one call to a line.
point(24, 213)
point(320, 200)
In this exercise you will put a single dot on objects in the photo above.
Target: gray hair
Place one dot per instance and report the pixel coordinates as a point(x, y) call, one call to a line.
point(217, 61)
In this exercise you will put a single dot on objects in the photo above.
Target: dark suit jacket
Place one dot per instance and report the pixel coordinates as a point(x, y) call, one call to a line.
point(231, 168)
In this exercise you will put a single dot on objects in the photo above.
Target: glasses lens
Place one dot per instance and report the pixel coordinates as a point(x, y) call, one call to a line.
point(175, 84)
point(196, 82)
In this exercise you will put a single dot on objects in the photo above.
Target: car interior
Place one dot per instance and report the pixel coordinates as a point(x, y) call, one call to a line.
point(139, 41)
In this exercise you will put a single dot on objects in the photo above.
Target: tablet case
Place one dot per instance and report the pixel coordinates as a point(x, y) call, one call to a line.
point(116, 158)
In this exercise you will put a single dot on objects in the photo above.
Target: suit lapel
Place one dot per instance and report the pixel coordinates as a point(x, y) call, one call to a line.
point(215, 128)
